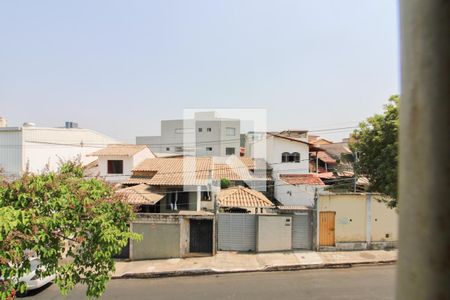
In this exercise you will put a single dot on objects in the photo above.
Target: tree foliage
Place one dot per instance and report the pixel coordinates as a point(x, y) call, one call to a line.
point(225, 183)
point(376, 148)
point(74, 224)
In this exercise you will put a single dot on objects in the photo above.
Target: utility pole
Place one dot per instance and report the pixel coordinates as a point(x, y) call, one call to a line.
point(314, 213)
point(354, 173)
point(424, 260)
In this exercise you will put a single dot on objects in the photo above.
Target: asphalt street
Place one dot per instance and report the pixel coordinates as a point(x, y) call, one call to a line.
point(364, 282)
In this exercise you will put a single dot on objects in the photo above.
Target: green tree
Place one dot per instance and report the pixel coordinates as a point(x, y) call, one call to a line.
point(376, 148)
point(225, 183)
point(74, 224)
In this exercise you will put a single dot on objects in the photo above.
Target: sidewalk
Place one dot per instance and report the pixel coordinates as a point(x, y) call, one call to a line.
point(234, 262)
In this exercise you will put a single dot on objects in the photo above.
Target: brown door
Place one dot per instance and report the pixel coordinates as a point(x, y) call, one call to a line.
point(326, 225)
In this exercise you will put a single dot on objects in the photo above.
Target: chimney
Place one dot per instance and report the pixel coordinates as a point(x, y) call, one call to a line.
point(71, 125)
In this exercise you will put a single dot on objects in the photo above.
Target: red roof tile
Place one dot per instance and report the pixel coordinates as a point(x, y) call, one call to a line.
point(301, 179)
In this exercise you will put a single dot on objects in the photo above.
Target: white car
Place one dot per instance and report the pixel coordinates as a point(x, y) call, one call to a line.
point(32, 280)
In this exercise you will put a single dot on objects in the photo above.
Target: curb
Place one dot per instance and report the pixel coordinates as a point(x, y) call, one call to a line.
point(202, 272)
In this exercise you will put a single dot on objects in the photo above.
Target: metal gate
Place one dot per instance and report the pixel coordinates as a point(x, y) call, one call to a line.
point(200, 232)
point(301, 231)
point(236, 232)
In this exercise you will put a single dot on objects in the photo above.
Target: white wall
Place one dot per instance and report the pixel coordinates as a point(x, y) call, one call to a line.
point(279, 146)
point(141, 156)
point(10, 151)
point(129, 163)
point(271, 149)
point(295, 194)
point(44, 147)
point(127, 167)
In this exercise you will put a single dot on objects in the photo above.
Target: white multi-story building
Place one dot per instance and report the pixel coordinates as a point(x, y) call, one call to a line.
point(205, 135)
point(287, 154)
point(36, 149)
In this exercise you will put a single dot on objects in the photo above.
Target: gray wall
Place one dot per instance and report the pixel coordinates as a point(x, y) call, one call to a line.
point(185, 132)
point(159, 241)
point(236, 232)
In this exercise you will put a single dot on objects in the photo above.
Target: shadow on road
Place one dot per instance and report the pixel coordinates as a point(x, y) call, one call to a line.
point(35, 292)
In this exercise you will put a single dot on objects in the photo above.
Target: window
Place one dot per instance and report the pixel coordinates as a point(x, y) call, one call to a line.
point(208, 129)
point(290, 157)
point(205, 196)
point(178, 149)
point(230, 131)
point(208, 149)
point(200, 129)
point(295, 157)
point(230, 151)
point(183, 130)
point(115, 166)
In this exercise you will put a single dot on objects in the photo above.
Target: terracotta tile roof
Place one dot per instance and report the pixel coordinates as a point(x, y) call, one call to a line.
point(177, 171)
point(288, 138)
point(140, 195)
point(119, 150)
point(301, 179)
point(174, 171)
point(324, 156)
point(325, 175)
point(312, 168)
point(346, 174)
point(312, 138)
point(242, 197)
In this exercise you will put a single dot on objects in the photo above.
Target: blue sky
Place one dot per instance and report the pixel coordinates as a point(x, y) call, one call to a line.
point(119, 67)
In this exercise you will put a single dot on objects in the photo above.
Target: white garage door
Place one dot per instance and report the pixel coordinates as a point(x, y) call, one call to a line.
point(301, 231)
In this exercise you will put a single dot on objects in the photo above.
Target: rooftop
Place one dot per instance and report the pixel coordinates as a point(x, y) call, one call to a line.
point(242, 197)
point(301, 179)
point(288, 138)
point(140, 195)
point(324, 156)
point(178, 171)
point(119, 150)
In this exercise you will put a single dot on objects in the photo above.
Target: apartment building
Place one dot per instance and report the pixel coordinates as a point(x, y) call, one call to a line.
point(204, 135)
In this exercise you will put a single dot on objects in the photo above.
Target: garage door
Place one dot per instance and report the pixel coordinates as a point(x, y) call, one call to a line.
point(236, 232)
point(301, 231)
point(158, 241)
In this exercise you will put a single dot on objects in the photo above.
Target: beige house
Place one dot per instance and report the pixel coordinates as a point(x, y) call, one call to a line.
point(242, 199)
point(355, 221)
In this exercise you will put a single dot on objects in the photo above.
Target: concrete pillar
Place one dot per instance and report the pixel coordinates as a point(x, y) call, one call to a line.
point(368, 220)
point(199, 198)
point(424, 185)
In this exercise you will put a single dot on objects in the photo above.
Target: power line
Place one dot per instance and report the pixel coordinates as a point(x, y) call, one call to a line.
point(213, 142)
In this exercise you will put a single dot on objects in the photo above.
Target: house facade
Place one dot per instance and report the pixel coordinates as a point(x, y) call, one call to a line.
point(288, 155)
point(284, 154)
point(37, 149)
point(298, 189)
point(191, 183)
point(116, 161)
point(204, 135)
point(355, 221)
